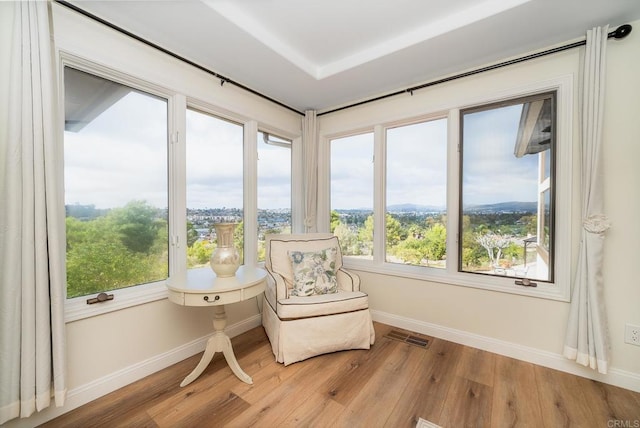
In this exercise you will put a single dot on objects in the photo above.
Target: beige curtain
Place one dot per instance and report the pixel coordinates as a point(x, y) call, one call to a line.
point(586, 339)
point(310, 153)
point(32, 277)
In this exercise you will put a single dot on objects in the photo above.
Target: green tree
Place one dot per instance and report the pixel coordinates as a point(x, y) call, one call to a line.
point(473, 254)
point(349, 243)
point(335, 220)
point(199, 253)
point(238, 239)
point(192, 234)
point(420, 247)
point(412, 250)
point(530, 223)
point(436, 238)
point(514, 252)
point(101, 257)
point(137, 224)
point(365, 236)
point(395, 232)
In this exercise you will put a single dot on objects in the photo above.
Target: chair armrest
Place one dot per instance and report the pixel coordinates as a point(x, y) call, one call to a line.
point(276, 282)
point(347, 280)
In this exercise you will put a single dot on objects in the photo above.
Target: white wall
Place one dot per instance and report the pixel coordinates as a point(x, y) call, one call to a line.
point(526, 327)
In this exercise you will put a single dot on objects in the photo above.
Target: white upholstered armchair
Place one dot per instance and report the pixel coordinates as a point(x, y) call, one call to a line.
point(302, 321)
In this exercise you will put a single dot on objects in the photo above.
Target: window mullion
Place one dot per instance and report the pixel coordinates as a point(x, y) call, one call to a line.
point(379, 197)
point(297, 188)
point(177, 187)
point(453, 184)
point(250, 212)
point(324, 203)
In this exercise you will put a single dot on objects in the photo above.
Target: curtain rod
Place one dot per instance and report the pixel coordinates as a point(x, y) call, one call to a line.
point(223, 79)
point(619, 33)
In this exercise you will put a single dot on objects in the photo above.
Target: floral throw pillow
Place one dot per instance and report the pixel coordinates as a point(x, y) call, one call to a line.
point(314, 272)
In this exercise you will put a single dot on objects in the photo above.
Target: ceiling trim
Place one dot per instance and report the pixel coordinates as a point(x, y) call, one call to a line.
point(234, 13)
point(421, 34)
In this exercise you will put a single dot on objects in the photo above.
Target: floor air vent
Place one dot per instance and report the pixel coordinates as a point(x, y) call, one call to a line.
point(410, 338)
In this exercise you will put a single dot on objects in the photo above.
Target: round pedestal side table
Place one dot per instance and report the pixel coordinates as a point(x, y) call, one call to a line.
point(204, 288)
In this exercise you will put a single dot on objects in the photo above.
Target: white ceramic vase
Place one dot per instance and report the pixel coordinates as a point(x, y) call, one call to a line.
point(225, 259)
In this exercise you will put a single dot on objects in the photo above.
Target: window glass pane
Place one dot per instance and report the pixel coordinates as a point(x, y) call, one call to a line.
point(547, 164)
point(544, 224)
point(214, 183)
point(116, 195)
point(416, 195)
point(352, 194)
point(274, 188)
point(506, 150)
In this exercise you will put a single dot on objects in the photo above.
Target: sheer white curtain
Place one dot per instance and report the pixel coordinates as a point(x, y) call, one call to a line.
point(587, 339)
point(310, 153)
point(32, 277)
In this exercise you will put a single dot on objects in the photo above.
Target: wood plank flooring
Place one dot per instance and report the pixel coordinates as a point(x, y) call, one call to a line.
point(391, 385)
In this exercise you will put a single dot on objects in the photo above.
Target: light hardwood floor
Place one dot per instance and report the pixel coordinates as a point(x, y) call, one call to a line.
point(391, 385)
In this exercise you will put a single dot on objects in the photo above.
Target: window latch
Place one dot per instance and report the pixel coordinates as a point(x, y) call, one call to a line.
point(526, 282)
point(100, 298)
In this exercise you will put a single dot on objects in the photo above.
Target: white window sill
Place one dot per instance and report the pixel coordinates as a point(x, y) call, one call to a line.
point(77, 307)
point(544, 290)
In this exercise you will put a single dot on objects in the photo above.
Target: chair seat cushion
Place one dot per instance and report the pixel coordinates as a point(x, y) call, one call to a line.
point(324, 304)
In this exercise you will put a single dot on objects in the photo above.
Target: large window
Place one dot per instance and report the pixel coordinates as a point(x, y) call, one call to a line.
point(468, 196)
point(274, 187)
point(116, 193)
point(214, 171)
point(147, 174)
point(416, 194)
point(507, 188)
point(352, 194)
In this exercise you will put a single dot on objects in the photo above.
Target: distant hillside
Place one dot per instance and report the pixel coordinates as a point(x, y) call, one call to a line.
point(500, 207)
point(513, 206)
point(414, 208)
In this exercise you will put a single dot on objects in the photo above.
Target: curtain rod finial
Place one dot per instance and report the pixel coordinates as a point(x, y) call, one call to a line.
point(622, 31)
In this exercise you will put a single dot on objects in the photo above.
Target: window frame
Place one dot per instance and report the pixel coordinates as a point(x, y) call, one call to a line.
point(77, 308)
point(395, 125)
point(543, 183)
point(360, 132)
point(559, 289)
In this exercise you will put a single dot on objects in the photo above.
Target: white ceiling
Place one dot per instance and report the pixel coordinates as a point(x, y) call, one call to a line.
point(323, 54)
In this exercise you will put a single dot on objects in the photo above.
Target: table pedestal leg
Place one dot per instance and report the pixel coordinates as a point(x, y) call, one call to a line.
point(219, 342)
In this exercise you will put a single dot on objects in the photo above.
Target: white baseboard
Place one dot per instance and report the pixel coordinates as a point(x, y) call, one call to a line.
point(104, 385)
point(617, 377)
